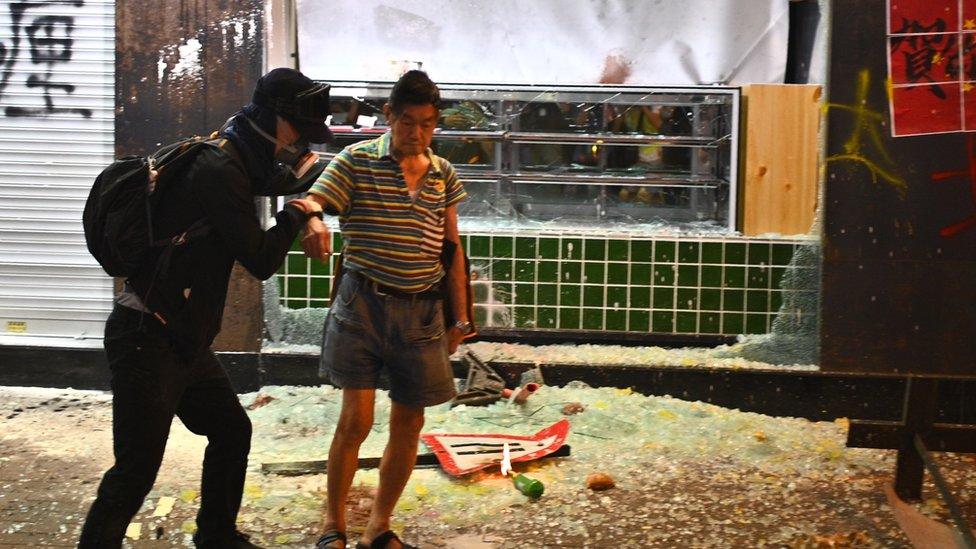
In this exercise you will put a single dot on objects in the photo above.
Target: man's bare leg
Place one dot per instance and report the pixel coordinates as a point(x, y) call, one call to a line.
point(355, 421)
point(395, 467)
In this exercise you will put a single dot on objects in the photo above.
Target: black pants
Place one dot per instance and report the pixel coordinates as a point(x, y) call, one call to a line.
point(151, 383)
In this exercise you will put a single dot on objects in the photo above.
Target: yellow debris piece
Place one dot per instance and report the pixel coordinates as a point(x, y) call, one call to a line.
point(134, 531)
point(667, 414)
point(406, 505)
point(830, 450)
point(164, 506)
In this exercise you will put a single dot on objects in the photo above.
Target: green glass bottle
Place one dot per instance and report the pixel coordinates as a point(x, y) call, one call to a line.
point(528, 486)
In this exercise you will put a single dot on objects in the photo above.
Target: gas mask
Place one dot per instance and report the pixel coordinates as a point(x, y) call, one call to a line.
point(297, 157)
point(296, 166)
point(283, 182)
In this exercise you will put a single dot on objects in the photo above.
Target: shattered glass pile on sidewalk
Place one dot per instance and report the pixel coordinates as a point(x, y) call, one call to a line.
point(685, 474)
point(672, 461)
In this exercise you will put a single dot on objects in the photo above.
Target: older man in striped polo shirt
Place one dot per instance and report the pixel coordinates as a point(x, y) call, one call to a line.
point(396, 203)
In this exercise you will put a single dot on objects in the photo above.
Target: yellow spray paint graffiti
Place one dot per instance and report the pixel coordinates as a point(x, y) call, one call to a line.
point(866, 145)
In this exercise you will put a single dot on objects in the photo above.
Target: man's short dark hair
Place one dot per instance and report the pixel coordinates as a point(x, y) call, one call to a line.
point(414, 88)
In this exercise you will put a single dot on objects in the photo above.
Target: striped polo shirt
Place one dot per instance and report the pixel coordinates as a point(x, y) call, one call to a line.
point(387, 236)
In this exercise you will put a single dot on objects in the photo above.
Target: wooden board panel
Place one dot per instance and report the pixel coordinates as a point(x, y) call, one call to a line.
point(781, 150)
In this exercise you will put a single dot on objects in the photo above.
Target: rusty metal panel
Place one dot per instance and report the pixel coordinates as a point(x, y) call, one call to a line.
point(243, 323)
point(899, 284)
point(183, 68)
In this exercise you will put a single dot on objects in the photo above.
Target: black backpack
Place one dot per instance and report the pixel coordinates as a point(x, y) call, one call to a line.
point(118, 217)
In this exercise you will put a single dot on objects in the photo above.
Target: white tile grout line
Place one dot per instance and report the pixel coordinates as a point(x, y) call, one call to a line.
point(606, 277)
point(698, 290)
point(308, 282)
point(721, 292)
point(535, 285)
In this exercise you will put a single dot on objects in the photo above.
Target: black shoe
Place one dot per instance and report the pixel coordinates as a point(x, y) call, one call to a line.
point(244, 541)
point(382, 540)
point(238, 540)
point(330, 536)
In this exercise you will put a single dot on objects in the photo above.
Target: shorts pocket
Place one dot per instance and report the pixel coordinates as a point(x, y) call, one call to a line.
point(348, 290)
point(346, 319)
point(424, 334)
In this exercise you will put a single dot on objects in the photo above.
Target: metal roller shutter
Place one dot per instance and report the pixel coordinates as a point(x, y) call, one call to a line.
point(57, 99)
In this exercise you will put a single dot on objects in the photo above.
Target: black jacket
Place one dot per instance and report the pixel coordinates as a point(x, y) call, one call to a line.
point(190, 291)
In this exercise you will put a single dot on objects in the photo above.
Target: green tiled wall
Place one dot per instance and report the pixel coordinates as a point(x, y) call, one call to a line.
point(678, 285)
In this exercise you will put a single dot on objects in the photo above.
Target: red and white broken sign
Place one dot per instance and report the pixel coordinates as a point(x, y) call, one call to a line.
point(462, 454)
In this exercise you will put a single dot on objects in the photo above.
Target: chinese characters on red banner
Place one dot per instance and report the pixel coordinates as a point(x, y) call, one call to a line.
point(932, 66)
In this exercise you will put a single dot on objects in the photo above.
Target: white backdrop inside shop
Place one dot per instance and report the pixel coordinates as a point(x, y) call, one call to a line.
point(665, 42)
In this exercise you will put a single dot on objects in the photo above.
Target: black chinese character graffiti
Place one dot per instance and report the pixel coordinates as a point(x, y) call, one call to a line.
point(49, 43)
point(928, 53)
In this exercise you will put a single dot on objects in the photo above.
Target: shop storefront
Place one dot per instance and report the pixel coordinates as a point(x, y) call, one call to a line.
point(614, 206)
point(601, 200)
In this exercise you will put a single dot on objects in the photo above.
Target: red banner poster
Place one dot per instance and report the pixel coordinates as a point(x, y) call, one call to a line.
point(931, 51)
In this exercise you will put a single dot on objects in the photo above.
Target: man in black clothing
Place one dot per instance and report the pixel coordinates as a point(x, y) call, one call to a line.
point(158, 336)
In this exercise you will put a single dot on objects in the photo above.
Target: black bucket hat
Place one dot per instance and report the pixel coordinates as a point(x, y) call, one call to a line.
point(298, 99)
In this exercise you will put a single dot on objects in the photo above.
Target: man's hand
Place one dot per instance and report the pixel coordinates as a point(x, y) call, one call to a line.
point(316, 240)
point(616, 69)
point(454, 338)
point(308, 207)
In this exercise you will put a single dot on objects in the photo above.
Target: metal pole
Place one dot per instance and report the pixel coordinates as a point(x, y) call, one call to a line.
point(961, 525)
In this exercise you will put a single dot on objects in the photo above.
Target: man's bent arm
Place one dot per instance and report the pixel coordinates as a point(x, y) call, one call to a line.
point(457, 284)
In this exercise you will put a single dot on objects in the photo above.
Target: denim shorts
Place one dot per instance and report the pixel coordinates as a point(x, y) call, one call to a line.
point(368, 332)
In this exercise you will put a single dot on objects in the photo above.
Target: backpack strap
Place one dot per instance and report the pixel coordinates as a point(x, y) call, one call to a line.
point(167, 158)
point(174, 157)
point(196, 230)
point(177, 157)
point(225, 145)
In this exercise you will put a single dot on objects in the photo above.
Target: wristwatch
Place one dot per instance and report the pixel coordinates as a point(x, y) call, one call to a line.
point(464, 326)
